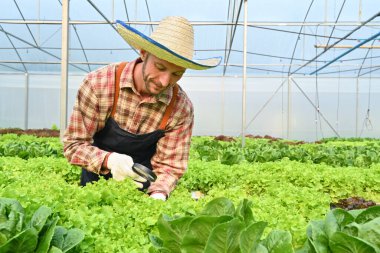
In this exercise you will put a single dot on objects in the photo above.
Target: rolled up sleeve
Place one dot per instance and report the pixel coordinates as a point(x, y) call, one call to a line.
point(171, 158)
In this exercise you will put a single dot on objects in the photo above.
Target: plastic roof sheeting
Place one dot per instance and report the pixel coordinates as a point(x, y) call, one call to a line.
point(282, 35)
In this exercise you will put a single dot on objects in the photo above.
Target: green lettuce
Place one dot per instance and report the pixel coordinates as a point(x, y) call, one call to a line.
point(40, 235)
point(219, 227)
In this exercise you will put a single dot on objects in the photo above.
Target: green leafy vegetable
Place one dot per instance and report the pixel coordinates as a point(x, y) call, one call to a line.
point(219, 228)
point(19, 236)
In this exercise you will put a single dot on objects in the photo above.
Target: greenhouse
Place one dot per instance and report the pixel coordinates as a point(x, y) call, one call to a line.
point(246, 126)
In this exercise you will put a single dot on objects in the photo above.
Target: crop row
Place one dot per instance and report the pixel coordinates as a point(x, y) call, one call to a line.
point(286, 195)
point(333, 152)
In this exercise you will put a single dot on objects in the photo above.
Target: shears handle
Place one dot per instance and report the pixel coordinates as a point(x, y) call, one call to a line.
point(144, 172)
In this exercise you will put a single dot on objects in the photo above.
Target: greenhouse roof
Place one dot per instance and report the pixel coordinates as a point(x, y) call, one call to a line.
point(283, 37)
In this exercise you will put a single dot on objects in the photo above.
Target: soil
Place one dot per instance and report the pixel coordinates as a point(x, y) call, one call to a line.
point(270, 138)
point(353, 203)
point(45, 132)
point(224, 138)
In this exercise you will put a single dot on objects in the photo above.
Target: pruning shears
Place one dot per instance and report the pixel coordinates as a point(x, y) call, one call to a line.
point(144, 172)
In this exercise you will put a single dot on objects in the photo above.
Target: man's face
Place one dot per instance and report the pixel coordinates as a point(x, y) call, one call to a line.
point(159, 74)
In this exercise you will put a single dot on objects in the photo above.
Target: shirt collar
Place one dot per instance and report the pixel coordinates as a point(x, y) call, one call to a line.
point(126, 81)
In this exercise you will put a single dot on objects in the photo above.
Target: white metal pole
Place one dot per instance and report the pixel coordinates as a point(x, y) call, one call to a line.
point(26, 114)
point(357, 107)
point(64, 65)
point(39, 18)
point(326, 16)
point(222, 106)
point(244, 74)
point(289, 109)
point(113, 10)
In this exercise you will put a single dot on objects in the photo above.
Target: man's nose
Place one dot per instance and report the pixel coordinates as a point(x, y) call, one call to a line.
point(165, 79)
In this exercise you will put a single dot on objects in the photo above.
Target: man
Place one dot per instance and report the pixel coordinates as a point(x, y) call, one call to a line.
point(136, 112)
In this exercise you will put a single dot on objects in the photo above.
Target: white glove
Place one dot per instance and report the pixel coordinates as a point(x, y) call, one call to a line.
point(121, 167)
point(158, 195)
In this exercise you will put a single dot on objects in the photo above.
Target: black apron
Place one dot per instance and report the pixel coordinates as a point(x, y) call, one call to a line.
point(112, 138)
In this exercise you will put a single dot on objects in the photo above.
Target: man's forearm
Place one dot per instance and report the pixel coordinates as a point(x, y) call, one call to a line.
point(85, 155)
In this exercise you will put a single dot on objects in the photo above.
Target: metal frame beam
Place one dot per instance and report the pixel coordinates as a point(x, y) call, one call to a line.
point(337, 18)
point(2, 64)
point(368, 72)
point(14, 48)
point(80, 41)
point(265, 104)
point(150, 18)
point(315, 107)
point(101, 14)
point(231, 36)
point(233, 76)
point(230, 64)
point(38, 48)
point(197, 23)
point(348, 46)
point(345, 53)
point(108, 21)
point(335, 43)
point(298, 36)
point(27, 25)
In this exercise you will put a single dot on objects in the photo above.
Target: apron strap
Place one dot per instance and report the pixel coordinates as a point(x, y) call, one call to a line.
point(168, 110)
point(117, 86)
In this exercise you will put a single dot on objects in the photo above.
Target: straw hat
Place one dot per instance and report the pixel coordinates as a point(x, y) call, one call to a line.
point(172, 40)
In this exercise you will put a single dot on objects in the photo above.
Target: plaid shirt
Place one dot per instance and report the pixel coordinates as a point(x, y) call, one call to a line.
point(93, 106)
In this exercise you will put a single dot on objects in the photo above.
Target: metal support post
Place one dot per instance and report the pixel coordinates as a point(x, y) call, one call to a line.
point(26, 114)
point(289, 109)
point(64, 65)
point(244, 73)
point(357, 108)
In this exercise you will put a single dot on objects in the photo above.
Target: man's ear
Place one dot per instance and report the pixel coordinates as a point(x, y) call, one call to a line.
point(143, 54)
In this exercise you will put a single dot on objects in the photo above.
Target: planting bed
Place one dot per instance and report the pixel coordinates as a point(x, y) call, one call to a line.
point(277, 191)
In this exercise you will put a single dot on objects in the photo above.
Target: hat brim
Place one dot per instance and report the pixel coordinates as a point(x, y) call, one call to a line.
point(140, 41)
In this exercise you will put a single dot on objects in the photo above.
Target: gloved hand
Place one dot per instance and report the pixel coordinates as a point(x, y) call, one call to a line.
point(121, 167)
point(158, 195)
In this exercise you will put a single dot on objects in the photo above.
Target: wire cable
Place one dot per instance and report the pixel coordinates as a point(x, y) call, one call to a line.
point(332, 31)
point(126, 10)
point(302, 33)
point(317, 111)
point(298, 36)
point(367, 123)
point(150, 18)
point(14, 47)
point(311, 102)
point(265, 104)
point(336, 42)
point(80, 43)
point(30, 32)
point(232, 37)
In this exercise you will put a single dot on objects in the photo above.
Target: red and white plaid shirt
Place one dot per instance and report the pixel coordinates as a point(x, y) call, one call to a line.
point(94, 104)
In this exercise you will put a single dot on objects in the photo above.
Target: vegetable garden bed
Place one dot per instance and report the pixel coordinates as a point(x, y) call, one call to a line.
point(287, 186)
